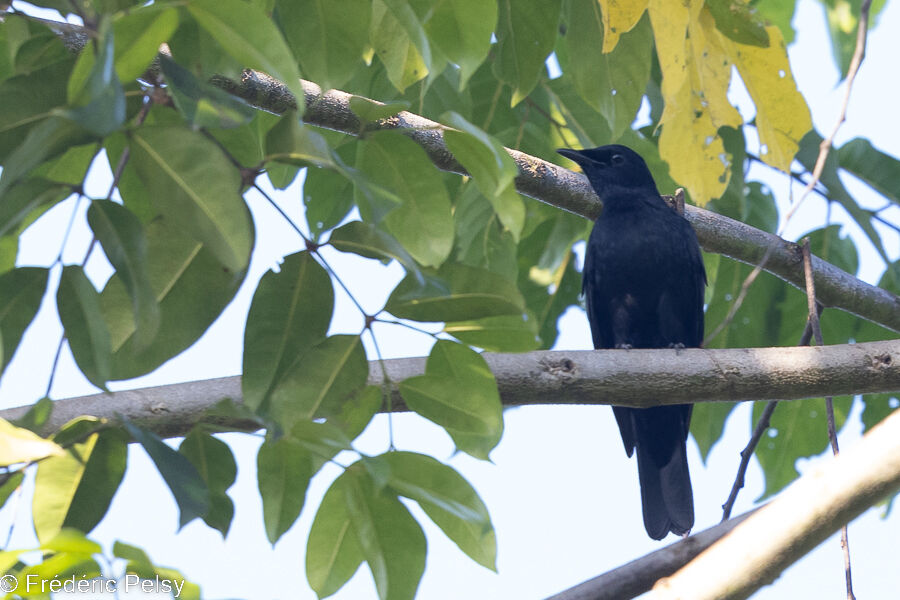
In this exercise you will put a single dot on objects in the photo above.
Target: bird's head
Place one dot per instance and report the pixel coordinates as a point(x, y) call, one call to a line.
point(612, 169)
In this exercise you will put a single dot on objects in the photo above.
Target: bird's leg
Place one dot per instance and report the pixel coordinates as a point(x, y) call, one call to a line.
point(678, 347)
point(625, 346)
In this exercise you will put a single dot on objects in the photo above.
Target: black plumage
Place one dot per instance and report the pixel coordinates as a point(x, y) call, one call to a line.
point(643, 284)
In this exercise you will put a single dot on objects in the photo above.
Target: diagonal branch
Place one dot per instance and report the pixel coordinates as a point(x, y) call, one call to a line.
point(638, 378)
point(557, 186)
point(634, 578)
point(798, 520)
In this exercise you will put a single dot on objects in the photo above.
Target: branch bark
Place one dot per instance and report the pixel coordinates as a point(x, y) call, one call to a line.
point(554, 185)
point(634, 578)
point(638, 378)
point(798, 520)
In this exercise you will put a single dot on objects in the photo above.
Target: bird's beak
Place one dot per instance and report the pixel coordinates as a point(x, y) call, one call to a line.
point(573, 155)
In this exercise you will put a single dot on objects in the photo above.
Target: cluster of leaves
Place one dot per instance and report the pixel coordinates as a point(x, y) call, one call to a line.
point(495, 269)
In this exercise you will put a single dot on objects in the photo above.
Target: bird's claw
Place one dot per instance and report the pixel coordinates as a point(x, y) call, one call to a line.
point(678, 347)
point(623, 346)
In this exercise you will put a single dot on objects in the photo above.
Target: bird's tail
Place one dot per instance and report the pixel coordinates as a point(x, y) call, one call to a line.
point(666, 494)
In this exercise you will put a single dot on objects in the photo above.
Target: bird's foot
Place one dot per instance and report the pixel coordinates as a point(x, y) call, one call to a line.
point(624, 346)
point(677, 347)
point(686, 534)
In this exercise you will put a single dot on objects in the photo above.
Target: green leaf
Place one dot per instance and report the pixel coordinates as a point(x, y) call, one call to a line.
point(215, 463)
point(423, 222)
point(246, 33)
point(333, 551)
point(100, 104)
point(324, 439)
point(456, 293)
point(390, 538)
point(399, 40)
point(76, 489)
point(48, 139)
point(23, 199)
point(843, 21)
point(481, 241)
point(292, 142)
point(879, 170)
point(492, 168)
point(37, 415)
point(738, 21)
point(370, 111)
point(122, 237)
point(191, 287)
point(506, 333)
point(195, 185)
point(798, 430)
point(71, 541)
point(184, 481)
point(526, 33)
point(449, 500)
point(356, 413)
point(461, 30)
point(11, 482)
point(612, 83)
point(283, 470)
point(827, 244)
point(27, 100)
point(369, 241)
point(202, 104)
point(290, 313)
point(318, 380)
point(328, 38)
point(327, 197)
point(459, 393)
point(21, 291)
point(20, 445)
point(78, 304)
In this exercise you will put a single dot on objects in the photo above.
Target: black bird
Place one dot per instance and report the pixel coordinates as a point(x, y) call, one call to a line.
point(643, 284)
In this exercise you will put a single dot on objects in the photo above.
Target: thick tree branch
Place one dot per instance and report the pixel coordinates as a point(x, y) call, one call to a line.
point(634, 578)
point(554, 185)
point(638, 378)
point(798, 520)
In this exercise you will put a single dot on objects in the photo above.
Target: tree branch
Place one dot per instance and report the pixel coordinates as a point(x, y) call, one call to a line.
point(554, 185)
point(634, 578)
point(798, 520)
point(637, 378)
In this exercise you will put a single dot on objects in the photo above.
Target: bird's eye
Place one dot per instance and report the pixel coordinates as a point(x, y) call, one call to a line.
point(617, 159)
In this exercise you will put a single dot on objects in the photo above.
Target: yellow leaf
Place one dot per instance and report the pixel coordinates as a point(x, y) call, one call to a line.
point(696, 74)
point(619, 16)
point(782, 115)
point(18, 445)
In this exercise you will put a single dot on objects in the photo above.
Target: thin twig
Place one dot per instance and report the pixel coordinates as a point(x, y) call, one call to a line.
point(825, 146)
point(829, 402)
point(746, 453)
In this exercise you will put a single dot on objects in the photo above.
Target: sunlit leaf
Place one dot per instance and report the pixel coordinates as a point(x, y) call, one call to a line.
point(76, 489)
point(19, 445)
